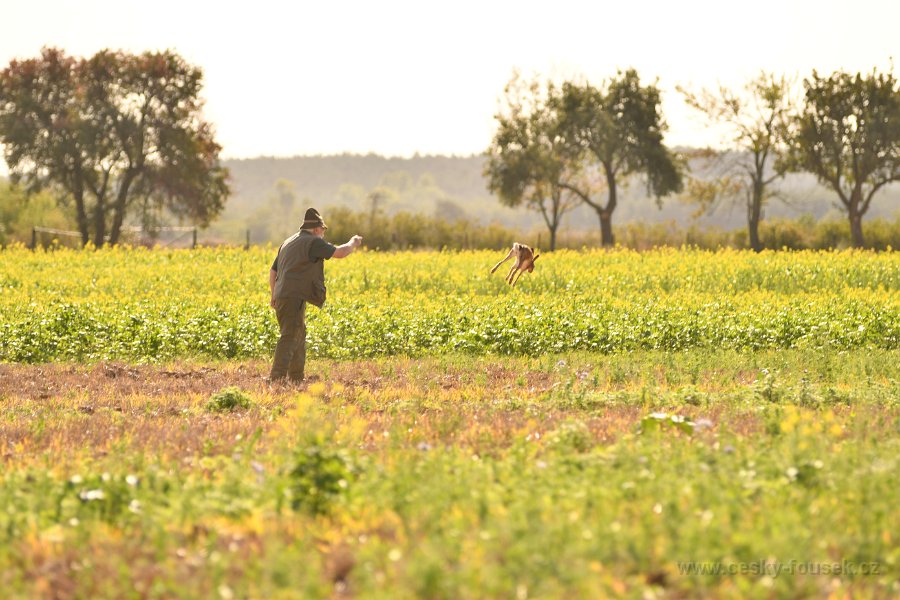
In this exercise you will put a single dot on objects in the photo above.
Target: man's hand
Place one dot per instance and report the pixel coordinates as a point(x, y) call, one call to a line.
point(344, 250)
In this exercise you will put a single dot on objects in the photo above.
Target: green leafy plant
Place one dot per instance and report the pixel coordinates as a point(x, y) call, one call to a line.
point(660, 421)
point(229, 399)
point(318, 476)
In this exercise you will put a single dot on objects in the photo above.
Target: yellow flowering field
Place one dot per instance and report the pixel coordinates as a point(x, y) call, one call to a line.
point(145, 305)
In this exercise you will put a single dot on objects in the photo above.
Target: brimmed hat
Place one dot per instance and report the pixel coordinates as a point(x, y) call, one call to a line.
point(313, 219)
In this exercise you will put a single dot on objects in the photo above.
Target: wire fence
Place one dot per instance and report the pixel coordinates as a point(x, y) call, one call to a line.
point(151, 237)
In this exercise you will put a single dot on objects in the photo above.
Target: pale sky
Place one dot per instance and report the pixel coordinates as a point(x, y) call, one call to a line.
point(399, 77)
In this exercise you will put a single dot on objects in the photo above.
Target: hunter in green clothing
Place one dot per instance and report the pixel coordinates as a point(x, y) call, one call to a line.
point(298, 276)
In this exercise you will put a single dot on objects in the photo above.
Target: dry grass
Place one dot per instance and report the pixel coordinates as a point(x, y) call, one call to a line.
point(63, 412)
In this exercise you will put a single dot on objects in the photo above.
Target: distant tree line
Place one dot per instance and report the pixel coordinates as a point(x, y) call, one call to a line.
point(406, 230)
point(120, 137)
point(556, 145)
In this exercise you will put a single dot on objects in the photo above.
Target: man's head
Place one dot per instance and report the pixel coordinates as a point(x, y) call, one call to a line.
point(314, 223)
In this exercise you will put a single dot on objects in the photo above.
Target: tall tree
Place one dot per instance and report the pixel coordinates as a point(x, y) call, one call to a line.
point(619, 127)
point(754, 122)
point(529, 161)
point(848, 135)
point(111, 132)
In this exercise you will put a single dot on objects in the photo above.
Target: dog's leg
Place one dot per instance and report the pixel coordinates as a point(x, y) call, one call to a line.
point(508, 256)
point(512, 273)
point(517, 277)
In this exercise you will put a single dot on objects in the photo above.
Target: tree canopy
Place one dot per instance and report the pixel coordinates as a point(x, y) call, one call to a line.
point(755, 120)
point(529, 160)
point(848, 135)
point(619, 128)
point(577, 139)
point(112, 133)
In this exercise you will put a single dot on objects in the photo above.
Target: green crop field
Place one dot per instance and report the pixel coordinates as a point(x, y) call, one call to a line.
point(142, 305)
point(666, 424)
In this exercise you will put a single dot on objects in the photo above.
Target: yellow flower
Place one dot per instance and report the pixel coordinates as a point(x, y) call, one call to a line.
point(317, 389)
point(791, 419)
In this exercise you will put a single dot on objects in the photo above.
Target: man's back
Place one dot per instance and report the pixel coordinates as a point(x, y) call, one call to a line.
point(299, 274)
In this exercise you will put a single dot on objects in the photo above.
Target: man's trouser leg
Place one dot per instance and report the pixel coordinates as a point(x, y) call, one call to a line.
point(291, 313)
point(298, 360)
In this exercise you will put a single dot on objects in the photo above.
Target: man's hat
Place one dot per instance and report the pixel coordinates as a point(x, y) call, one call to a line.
point(313, 219)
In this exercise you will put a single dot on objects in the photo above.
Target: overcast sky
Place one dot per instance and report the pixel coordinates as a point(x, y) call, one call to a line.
point(399, 77)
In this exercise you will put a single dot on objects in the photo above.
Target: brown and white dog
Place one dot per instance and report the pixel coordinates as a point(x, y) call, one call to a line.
point(525, 258)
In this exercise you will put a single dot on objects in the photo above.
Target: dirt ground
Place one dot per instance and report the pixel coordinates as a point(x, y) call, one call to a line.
point(111, 380)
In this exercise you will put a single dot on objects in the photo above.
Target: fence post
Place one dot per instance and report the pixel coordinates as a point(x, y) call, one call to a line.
point(247, 245)
point(33, 239)
point(194, 244)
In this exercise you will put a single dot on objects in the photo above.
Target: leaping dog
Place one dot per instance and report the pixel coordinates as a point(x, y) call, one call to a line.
point(525, 258)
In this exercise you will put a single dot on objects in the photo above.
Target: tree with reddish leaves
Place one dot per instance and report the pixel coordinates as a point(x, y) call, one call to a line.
point(113, 133)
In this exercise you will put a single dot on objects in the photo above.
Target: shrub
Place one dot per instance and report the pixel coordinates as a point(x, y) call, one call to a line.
point(228, 400)
point(319, 475)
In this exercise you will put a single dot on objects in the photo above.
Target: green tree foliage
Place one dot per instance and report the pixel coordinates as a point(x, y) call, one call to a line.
point(618, 129)
point(754, 122)
point(113, 132)
point(848, 135)
point(530, 160)
point(19, 212)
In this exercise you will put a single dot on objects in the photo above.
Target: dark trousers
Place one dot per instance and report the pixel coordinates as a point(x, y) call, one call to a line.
point(290, 352)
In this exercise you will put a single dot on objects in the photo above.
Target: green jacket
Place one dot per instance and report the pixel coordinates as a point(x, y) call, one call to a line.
point(300, 276)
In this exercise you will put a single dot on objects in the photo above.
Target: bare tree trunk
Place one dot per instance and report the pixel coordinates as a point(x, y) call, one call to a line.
point(99, 222)
point(81, 217)
point(754, 216)
point(753, 230)
point(605, 214)
point(119, 208)
point(856, 231)
point(553, 216)
point(853, 211)
point(606, 232)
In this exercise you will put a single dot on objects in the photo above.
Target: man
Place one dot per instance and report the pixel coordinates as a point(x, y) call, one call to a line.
point(297, 277)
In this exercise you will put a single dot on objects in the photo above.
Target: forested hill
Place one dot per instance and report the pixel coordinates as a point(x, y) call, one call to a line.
point(320, 177)
point(269, 191)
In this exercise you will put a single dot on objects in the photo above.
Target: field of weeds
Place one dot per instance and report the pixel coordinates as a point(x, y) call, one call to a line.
point(686, 462)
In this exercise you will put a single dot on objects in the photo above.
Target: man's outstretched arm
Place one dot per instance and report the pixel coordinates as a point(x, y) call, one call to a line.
point(346, 249)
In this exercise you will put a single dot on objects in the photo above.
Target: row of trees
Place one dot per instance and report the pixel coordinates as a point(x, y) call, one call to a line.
point(110, 134)
point(558, 145)
point(119, 134)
